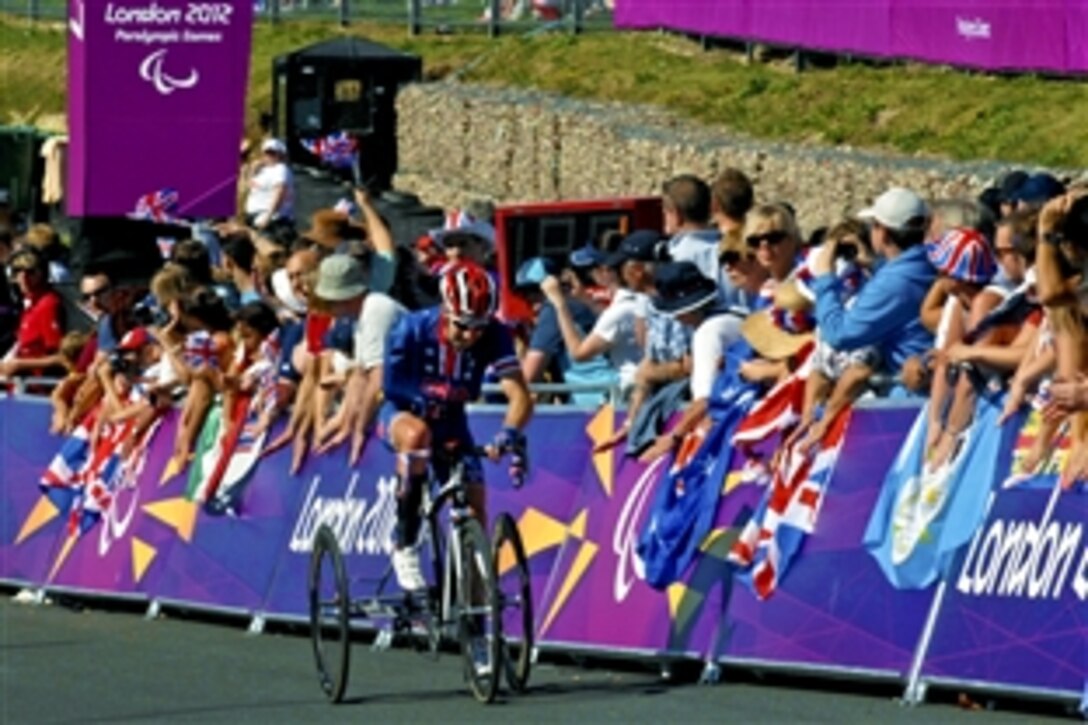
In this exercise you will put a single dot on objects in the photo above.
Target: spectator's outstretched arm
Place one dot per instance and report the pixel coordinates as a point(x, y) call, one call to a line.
point(379, 233)
point(671, 439)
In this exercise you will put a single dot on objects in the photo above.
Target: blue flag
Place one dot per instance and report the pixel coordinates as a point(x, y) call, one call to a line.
point(686, 500)
point(924, 515)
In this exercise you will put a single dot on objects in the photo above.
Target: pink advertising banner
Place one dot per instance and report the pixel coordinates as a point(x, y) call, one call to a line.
point(1046, 35)
point(156, 104)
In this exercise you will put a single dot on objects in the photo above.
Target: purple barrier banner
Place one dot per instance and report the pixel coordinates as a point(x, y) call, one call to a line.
point(1016, 608)
point(596, 597)
point(156, 95)
point(1021, 35)
point(835, 608)
point(96, 546)
point(228, 561)
point(359, 504)
point(26, 550)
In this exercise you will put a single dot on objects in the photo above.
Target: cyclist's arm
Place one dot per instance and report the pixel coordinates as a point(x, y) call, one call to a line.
point(519, 407)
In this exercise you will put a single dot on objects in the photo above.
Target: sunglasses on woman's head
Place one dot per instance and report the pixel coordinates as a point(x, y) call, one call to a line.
point(772, 238)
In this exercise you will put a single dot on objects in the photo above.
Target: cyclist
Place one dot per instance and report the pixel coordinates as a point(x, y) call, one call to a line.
point(435, 362)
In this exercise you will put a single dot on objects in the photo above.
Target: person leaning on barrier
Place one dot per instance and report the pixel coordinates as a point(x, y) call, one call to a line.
point(1061, 266)
point(341, 286)
point(692, 298)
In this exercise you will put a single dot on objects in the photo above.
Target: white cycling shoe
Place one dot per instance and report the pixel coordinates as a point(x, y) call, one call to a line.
point(409, 572)
point(481, 656)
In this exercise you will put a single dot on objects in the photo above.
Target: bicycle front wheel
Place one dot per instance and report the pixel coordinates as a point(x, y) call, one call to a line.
point(329, 614)
point(479, 613)
point(516, 599)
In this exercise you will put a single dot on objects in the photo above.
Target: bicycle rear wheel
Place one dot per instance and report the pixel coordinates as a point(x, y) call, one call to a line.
point(330, 605)
point(516, 600)
point(479, 616)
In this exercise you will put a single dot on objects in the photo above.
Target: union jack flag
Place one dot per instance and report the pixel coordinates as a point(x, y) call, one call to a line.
point(338, 150)
point(158, 206)
point(789, 510)
point(200, 351)
point(780, 408)
point(83, 481)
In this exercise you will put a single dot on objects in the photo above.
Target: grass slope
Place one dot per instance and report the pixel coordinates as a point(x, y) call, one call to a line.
point(909, 108)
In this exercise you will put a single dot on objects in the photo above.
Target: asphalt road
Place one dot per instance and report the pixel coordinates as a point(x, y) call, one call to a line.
point(60, 665)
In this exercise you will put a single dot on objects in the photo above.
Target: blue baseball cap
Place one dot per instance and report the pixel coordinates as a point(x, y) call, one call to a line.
point(638, 246)
point(532, 272)
point(1038, 189)
point(587, 256)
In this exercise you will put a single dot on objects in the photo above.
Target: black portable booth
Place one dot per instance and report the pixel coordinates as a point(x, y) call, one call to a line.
point(347, 84)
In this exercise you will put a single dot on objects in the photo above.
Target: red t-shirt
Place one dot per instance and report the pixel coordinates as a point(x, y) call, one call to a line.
point(40, 330)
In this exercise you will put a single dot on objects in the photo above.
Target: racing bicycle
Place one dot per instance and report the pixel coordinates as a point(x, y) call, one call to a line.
point(479, 590)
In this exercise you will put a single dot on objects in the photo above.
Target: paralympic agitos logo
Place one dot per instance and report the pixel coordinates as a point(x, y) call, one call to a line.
point(152, 71)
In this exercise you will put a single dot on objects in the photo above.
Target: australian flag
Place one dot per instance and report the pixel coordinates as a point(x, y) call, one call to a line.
point(159, 206)
point(686, 500)
point(338, 150)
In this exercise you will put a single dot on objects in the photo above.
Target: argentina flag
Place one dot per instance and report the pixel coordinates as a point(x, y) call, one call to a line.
point(924, 515)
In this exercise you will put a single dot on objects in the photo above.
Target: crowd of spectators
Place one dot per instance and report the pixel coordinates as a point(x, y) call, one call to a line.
point(909, 297)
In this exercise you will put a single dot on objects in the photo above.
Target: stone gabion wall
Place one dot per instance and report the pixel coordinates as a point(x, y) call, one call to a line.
point(459, 141)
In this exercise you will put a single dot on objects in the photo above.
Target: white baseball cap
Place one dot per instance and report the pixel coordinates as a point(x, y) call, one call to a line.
point(896, 208)
point(273, 145)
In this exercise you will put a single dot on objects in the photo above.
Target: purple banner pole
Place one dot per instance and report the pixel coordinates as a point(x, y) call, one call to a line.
point(156, 104)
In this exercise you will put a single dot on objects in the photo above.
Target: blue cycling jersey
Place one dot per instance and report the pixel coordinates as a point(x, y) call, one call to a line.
point(428, 377)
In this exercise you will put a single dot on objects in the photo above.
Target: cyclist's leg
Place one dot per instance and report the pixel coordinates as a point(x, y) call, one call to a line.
point(410, 438)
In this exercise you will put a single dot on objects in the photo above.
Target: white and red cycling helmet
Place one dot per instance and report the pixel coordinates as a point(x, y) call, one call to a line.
point(468, 294)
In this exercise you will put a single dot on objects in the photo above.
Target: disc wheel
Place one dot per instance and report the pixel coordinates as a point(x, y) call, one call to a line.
point(329, 615)
point(515, 600)
point(479, 623)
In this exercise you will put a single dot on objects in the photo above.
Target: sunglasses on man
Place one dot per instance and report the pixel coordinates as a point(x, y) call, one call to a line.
point(95, 294)
point(469, 324)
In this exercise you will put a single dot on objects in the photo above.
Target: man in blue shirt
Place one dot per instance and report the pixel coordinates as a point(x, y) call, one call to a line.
point(886, 312)
point(435, 361)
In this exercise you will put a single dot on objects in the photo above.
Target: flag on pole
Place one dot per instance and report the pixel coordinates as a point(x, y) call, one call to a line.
point(339, 150)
